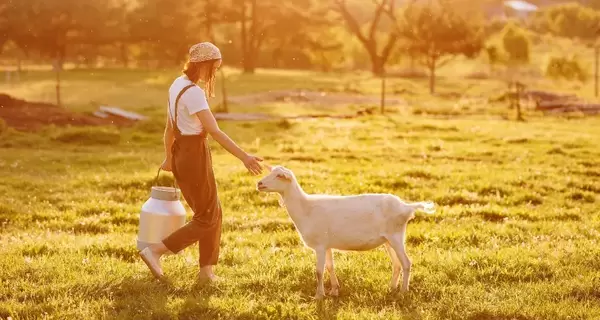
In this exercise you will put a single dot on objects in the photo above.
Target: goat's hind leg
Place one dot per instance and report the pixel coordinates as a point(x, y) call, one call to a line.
point(395, 266)
point(335, 285)
point(396, 241)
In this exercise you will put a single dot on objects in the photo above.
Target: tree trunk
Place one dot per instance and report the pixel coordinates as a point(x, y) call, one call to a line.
point(209, 8)
point(596, 52)
point(123, 55)
point(432, 77)
point(252, 42)
point(382, 92)
point(244, 35)
point(519, 89)
point(377, 65)
point(249, 66)
point(57, 68)
point(225, 107)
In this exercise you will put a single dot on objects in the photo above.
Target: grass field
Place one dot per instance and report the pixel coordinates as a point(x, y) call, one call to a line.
point(515, 236)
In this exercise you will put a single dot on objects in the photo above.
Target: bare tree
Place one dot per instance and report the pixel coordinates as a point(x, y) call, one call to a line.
point(379, 56)
point(436, 32)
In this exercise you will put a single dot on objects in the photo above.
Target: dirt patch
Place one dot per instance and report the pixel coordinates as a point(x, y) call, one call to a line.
point(320, 98)
point(262, 116)
point(31, 116)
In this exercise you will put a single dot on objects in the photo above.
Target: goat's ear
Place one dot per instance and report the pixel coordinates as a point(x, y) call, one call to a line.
point(285, 175)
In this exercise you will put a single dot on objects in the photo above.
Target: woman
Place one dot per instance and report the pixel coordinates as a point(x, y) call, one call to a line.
point(189, 121)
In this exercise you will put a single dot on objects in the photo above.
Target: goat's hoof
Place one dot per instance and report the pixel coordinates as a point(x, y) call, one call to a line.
point(401, 292)
point(319, 296)
point(334, 292)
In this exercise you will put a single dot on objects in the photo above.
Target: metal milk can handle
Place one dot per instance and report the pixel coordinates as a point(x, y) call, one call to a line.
point(156, 179)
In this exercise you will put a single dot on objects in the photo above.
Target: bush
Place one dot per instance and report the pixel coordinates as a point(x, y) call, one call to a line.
point(89, 136)
point(566, 68)
point(3, 126)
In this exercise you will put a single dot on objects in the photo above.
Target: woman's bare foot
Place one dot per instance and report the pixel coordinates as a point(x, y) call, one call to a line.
point(152, 260)
point(151, 256)
point(206, 274)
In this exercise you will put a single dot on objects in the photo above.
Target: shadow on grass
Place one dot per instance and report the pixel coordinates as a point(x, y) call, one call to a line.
point(356, 291)
point(328, 309)
point(196, 304)
point(148, 298)
point(140, 298)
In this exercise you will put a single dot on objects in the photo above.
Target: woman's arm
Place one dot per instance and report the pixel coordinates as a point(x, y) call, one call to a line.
point(168, 141)
point(209, 123)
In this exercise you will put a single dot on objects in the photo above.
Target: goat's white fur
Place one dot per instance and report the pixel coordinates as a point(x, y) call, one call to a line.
point(357, 223)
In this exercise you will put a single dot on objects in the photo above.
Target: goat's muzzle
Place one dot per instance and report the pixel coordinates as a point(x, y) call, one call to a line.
point(260, 186)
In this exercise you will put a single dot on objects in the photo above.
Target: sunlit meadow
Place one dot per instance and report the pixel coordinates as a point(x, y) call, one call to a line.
point(515, 235)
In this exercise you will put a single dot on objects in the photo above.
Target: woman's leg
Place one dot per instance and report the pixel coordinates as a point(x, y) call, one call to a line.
point(209, 246)
point(195, 176)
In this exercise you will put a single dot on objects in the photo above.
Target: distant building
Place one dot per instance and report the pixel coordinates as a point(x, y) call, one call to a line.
point(511, 9)
point(521, 9)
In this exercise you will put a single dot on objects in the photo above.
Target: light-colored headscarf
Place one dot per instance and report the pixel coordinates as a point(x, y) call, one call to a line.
point(204, 51)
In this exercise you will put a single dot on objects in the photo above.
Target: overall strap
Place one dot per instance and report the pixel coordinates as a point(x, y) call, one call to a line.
point(174, 119)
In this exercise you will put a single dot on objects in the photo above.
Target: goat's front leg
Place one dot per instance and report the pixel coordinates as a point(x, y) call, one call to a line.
point(321, 257)
point(335, 285)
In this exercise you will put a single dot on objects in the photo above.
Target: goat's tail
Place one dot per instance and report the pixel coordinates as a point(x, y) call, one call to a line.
point(427, 207)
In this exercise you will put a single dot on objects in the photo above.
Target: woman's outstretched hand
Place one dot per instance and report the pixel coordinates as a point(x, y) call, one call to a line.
point(252, 164)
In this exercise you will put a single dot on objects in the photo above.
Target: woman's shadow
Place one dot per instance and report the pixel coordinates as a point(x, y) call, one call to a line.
point(148, 297)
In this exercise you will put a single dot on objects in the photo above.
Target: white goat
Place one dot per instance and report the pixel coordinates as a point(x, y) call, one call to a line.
point(357, 223)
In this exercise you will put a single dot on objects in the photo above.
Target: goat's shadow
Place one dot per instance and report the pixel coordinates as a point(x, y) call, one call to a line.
point(328, 308)
point(350, 295)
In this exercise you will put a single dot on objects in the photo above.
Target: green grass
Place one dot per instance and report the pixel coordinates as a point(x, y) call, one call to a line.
point(515, 235)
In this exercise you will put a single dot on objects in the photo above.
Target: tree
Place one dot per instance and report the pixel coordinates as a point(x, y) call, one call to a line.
point(493, 54)
point(4, 24)
point(255, 21)
point(572, 20)
point(436, 33)
point(569, 20)
point(516, 44)
point(325, 48)
point(317, 38)
point(58, 26)
point(282, 28)
point(118, 28)
point(378, 55)
point(166, 29)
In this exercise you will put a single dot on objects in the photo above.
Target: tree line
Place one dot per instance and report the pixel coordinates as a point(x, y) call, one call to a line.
point(323, 34)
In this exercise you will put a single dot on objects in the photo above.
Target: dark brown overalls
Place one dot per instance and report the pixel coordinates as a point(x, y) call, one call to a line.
point(192, 168)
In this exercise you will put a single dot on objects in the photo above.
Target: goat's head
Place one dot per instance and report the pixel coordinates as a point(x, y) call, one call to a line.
point(278, 180)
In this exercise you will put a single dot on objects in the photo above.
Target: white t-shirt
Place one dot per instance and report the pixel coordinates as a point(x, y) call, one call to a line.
point(192, 101)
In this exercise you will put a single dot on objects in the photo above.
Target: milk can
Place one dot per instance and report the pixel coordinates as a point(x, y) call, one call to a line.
point(160, 216)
